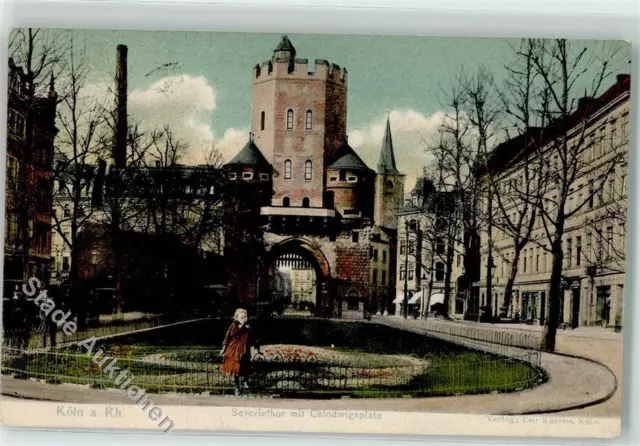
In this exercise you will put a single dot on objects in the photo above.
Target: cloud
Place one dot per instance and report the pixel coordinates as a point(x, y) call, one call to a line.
point(185, 103)
point(412, 132)
point(182, 102)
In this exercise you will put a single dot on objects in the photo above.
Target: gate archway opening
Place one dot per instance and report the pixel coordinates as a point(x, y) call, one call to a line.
point(298, 275)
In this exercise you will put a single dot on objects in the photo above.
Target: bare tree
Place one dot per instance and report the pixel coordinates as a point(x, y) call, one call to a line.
point(567, 153)
point(514, 198)
point(483, 112)
point(457, 154)
point(81, 118)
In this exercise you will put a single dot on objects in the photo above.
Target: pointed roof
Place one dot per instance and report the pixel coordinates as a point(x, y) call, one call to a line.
point(348, 159)
point(285, 45)
point(387, 162)
point(250, 155)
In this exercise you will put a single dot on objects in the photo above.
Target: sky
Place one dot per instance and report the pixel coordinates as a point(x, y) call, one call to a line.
point(201, 83)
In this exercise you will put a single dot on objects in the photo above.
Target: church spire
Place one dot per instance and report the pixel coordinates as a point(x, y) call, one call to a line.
point(387, 162)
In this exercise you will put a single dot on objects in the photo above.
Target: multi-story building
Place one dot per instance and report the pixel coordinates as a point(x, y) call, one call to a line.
point(426, 246)
point(328, 209)
point(64, 202)
point(594, 260)
point(29, 193)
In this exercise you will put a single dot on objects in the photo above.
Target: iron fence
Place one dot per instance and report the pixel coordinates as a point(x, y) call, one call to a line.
point(40, 332)
point(286, 372)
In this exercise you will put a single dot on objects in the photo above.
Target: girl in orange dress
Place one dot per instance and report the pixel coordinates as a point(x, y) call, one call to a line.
point(236, 350)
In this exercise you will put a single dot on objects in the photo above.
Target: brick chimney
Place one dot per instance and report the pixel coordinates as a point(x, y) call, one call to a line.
point(120, 143)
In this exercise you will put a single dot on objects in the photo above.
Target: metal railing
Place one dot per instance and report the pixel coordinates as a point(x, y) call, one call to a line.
point(296, 372)
point(480, 333)
point(41, 333)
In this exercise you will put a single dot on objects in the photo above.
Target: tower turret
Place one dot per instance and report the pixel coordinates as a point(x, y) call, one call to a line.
point(285, 51)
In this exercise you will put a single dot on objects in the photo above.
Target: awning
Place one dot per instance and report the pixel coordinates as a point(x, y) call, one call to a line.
point(400, 297)
point(437, 298)
point(416, 298)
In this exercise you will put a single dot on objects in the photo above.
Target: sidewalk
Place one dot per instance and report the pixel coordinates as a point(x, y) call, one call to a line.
point(593, 343)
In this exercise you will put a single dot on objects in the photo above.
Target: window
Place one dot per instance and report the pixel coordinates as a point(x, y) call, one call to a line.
point(440, 247)
point(439, 271)
point(307, 170)
point(65, 263)
point(569, 253)
point(333, 179)
point(289, 119)
point(599, 242)
point(263, 177)
point(524, 262)
point(374, 251)
point(66, 212)
point(329, 199)
point(578, 250)
point(286, 202)
point(308, 122)
point(610, 242)
point(588, 248)
point(412, 248)
point(614, 133)
point(591, 194)
point(384, 278)
point(402, 249)
point(352, 179)
point(384, 256)
point(531, 259)
point(401, 272)
point(262, 121)
point(287, 170)
point(305, 202)
point(355, 236)
point(410, 273)
point(612, 187)
point(247, 175)
point(375, 276)
point(459, 260)
point(537, 260)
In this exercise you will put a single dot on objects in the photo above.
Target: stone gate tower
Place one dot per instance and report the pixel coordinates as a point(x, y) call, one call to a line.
point(299, 118)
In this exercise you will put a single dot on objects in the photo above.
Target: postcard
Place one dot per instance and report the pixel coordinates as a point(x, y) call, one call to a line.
point(315, 233)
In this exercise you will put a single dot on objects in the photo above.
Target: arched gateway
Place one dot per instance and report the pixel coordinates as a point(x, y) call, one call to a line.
point(298, 273)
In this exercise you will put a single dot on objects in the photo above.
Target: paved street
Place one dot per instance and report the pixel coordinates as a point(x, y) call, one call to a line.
point(573, 382)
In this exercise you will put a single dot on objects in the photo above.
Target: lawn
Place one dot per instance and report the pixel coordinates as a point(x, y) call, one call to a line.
point(302, 358)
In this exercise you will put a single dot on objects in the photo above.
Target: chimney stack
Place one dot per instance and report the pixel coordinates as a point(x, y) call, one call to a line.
point(120, 143)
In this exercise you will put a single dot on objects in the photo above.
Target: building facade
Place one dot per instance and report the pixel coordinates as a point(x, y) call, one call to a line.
point(326, 210)
point(29, 191)
point(594, 260)
point(426, 253)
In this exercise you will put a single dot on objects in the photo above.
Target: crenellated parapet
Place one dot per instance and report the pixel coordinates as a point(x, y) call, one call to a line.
point(288, 68)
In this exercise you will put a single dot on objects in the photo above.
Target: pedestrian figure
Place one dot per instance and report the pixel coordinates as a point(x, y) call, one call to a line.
point(236, 350)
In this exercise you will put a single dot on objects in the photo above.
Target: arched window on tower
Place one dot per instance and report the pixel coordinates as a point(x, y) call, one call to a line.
point(287, 170)
point(308, 122)
point(388, 187)
point(286, 202)
point(262, 121)
point(289, 119)
point(305, 202)
point(308, 170)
